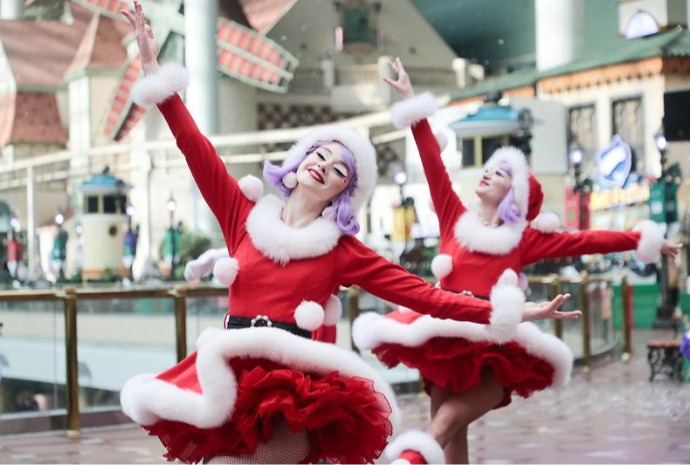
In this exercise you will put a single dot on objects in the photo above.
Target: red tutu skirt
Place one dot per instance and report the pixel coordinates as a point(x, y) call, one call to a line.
point(344, 416)
point(457, 365)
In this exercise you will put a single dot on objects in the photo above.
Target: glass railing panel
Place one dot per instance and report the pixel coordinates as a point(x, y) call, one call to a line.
point(540, 292)
point(32, 354)
point(601, 298)
point(202, 313)
point(120, 338)
point(572, 329)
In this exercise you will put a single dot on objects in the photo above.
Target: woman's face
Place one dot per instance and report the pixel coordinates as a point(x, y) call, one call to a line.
point(494, 185)
point(324, 173)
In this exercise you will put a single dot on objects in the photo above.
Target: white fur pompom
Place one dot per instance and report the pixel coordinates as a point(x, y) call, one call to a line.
point(442, 140)
point(441, 265)
point(290, 180)
point(309, 315)
point(251, 187)
point(651, 240)
point(225, 270)
point(333, 310)
point(508, 302)
point(546, 222)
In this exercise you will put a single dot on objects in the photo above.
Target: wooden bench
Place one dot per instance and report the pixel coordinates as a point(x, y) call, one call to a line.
point(664, 357)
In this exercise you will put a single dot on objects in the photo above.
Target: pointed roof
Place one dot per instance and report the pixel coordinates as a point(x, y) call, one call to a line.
point(40, 52)
point(101, 47)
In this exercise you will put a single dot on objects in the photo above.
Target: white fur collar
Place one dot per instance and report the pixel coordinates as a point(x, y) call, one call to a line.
point(472, 233)
point(282, 243)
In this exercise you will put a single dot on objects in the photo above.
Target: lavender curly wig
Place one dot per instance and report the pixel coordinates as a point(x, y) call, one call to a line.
point(341, 210)
point(508, 209)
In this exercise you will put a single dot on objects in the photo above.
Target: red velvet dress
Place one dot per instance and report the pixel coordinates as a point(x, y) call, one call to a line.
point(224, 399)
point(454, 355)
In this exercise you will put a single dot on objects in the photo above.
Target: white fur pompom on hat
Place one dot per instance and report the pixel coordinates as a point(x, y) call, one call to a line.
point(441, 265)
point(362, 150)
point(309, 315)
point(225, 270)
point(546, 222)
point(251, 187)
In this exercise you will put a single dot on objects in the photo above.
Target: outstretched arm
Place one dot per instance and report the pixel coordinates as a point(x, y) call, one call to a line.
point(647, 240)
point(413, 112)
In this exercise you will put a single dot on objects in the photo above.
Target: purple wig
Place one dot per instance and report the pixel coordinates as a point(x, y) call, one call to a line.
point(508, 209)
point(340, 210)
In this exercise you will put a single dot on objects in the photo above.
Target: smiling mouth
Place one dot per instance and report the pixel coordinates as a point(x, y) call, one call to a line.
point(316, 175)
point(483, 183)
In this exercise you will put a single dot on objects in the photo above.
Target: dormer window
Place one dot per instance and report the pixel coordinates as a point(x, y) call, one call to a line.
point(358, 30)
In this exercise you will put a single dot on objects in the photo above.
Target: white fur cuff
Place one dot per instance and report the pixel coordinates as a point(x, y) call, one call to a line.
point(651, 240)
point(156, 88)
point(508, 302)
point(412, 110)
point(417, 441)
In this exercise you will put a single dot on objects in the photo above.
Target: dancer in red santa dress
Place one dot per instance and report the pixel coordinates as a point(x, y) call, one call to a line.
point(265, 391)
point(466, 373)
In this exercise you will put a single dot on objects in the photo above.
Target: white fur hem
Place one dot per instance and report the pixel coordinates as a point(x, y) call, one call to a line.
point(651, 240)
point(417, 441)
point(156, 88)
point(147, 400)
point(412, 110)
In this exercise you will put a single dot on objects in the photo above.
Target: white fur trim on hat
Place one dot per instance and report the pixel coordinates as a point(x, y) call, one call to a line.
point(520, 176)
point(225, 270)
point(412, 110)
point(309, 315)
point(333, 310)
point(507, 301)
point(359, 145)
point(441, 140)
point(156, 88)
point(651, 240)
point(418, 441)
point(441, 265)
point(546, 222)
point(251, 187)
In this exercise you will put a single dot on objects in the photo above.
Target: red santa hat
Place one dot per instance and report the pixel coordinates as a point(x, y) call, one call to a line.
point(364, 154)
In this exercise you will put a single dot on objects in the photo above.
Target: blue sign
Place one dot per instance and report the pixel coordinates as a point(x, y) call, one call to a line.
point(615, 162)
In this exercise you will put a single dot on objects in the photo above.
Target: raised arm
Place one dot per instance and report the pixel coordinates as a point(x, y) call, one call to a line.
point(160, 86)
point(413, 112)
point(647, 240)
point(357, 264)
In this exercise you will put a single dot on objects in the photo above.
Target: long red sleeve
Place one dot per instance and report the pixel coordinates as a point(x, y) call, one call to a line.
point(219, 189)
point(537, 245)
point(357, 264)
point(446, 202)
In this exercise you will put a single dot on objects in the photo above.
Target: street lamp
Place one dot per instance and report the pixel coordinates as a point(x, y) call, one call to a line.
point(60, 246)
point(130, 245)
point(171, 234)
point(664, 311)
point(400, 178)
point(576, 156)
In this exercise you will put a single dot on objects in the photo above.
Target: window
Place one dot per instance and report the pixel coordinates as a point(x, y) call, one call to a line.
point(582, 128)
point(627, 123)
point(477, 150)
point(358, 27)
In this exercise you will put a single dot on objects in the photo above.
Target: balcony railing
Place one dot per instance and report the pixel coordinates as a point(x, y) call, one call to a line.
point(83, 344)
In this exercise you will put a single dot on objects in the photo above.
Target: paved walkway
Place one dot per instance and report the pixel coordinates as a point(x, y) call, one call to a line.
point(612, 414)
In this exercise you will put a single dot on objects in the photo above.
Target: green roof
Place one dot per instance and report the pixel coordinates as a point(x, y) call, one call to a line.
point(675, 43)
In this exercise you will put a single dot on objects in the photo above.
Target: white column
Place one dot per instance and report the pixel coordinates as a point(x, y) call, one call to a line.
point(559, 31)
point(202, 93)
point(11, 9)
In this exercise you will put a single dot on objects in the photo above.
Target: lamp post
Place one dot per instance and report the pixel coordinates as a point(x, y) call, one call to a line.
point(664, 311)
point(15, 248)
point(130, 245)
point(576, 156)
point(60, 246)
point(171, 235)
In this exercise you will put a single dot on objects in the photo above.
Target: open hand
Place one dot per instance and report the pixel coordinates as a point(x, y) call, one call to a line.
point(402, 84)
point(671, 249)
point(148, 46)
point(549, 310)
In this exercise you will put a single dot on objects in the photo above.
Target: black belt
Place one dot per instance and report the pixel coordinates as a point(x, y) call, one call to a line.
point(469, 294)
point(239, 322)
